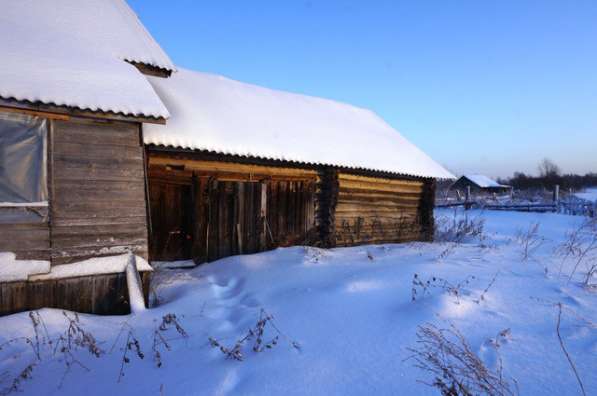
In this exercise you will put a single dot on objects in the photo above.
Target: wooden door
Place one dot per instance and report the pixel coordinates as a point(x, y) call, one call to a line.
point(229, 219)
point(171, 221)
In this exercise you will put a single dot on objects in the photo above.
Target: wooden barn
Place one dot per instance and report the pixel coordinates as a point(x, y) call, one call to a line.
point(106, 148)
point(240, 168)
point(72, 160)
point(479, 184)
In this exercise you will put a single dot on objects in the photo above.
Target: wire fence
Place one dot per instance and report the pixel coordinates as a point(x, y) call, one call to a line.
point(525, 201)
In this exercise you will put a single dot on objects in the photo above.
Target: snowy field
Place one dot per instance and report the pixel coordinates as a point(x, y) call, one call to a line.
point(343, 319)
point(590, 194)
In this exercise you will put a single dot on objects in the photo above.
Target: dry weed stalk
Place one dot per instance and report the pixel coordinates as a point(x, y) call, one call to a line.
point(421, 288)
point(16, 383)
point(455, 368)
point(581, 246)
point(482, 296)
point(132, 344)
point(256, 333)
point(572, 366)
point(169, 320)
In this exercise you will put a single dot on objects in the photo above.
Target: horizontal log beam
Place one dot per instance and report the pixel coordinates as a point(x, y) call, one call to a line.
point(231, 167)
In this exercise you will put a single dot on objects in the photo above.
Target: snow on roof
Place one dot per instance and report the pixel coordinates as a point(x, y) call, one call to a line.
point(214, 113)
point(483, 181)
point(72, 52)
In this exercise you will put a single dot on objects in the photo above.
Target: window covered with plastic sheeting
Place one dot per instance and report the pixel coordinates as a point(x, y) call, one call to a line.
point(23, 151)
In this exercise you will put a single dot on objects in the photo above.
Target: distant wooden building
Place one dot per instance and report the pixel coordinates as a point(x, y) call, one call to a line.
point(479, 184)
point(137, 156)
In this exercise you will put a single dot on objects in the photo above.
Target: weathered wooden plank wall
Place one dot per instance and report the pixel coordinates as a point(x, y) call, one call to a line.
point(98, 204)
point(97, 207)
point(234, 209)
point(99, 294)
point(28, 240)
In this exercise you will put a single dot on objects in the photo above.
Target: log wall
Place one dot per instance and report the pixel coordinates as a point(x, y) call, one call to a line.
point(379, 210)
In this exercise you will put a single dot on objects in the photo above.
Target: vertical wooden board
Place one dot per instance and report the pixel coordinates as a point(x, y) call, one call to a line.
point(262, 216)
point(198, 216)
point(259, 234)
point(186, 220)
point(271, 211)
point(249, 216)
point(213, 221)
point(234, 219)
point(255, 217)
point(299, 214)
point(14, 297)
point(222, 205)
point(41, 294)
point(228, 207)
point(288, 211)
point(282, 194)
point(78, 293)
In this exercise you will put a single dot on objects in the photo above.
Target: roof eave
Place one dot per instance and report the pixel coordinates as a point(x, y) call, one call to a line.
point(48, 109)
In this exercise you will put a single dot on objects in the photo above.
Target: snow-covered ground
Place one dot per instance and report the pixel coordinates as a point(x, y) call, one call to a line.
point(344, 319)
point(590, 194)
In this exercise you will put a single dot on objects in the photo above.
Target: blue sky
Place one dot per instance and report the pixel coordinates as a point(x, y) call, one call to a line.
point(489, 87)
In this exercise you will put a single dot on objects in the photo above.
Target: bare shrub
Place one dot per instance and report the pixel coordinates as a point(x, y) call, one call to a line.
point(529, 240)
point(168, 321)
point(580, 247)
point(459, 230)
point(73, 338)
point(420, 288)
point(456, 369)
point(76, 336)
point(255, 334)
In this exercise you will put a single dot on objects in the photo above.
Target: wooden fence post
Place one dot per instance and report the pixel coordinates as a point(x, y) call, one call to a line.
point(556, 198)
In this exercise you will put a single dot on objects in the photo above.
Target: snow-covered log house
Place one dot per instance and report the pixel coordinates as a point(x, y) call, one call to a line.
point(107, 148)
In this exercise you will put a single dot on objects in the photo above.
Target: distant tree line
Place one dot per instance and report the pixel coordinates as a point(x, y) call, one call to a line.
point(549, 176)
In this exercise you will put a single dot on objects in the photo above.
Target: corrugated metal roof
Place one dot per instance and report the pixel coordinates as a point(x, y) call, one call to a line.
point(72, 53)
point(214, 113)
